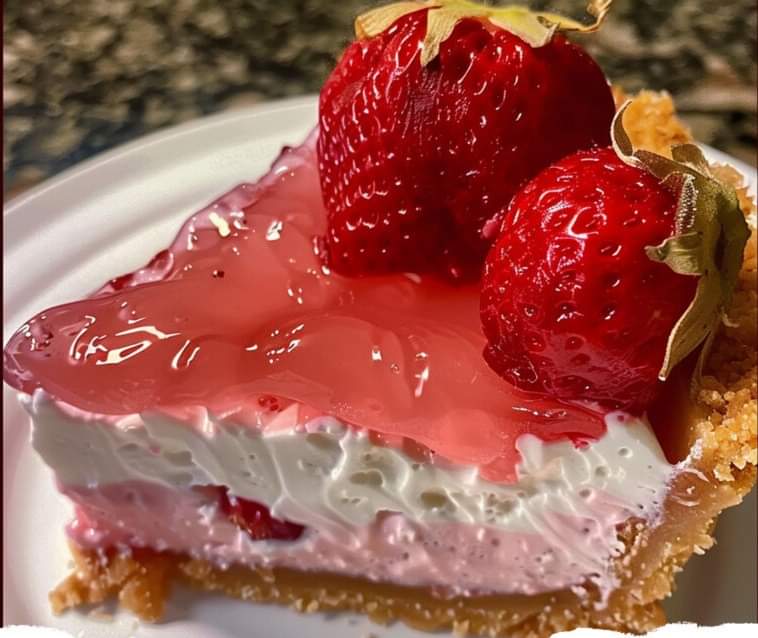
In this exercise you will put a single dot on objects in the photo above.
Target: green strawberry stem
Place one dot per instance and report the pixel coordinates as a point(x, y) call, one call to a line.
point(534, 27)
point(708, 242)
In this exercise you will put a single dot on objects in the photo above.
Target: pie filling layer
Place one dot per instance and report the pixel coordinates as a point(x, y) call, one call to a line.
point(368, 509)
point(360, 409)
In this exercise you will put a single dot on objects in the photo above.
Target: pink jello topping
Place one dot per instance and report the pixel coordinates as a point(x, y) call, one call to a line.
point(241, 305)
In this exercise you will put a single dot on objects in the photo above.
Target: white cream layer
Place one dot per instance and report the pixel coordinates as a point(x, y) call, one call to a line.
point(332, 479)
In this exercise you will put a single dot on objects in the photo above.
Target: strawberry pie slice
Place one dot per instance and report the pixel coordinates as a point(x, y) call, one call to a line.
point(444, 363)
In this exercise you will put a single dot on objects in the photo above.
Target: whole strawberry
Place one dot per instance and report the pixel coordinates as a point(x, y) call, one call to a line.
point(588, 291)
point(433, 119)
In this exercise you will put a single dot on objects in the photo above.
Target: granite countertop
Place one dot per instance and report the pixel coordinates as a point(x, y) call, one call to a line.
point(82, 76)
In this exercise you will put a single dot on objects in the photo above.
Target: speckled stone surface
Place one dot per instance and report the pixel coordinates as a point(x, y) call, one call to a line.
point(82, 76)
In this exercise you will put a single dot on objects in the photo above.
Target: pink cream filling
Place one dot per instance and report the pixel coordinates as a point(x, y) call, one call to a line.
point(454, 558)
point(241, 305)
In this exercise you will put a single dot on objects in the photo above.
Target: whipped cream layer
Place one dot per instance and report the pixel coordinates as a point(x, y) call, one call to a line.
point(370, 510)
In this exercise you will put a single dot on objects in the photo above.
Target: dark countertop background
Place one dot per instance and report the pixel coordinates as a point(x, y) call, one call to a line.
point(82, 76)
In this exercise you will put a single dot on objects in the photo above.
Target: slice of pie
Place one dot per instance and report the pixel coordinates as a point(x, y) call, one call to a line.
point(291, 404)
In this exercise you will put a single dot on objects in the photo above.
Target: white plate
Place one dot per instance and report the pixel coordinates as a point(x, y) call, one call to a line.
point(108, 216)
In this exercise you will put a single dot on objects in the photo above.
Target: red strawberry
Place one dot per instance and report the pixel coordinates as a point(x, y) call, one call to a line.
point(414, 159)
point(256, 519)
point(571, 303)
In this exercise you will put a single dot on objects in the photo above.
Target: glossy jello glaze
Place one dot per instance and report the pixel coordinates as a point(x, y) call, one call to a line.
point(241, 305)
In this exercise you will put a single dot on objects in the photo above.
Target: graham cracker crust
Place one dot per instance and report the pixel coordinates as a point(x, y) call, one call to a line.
point(720, 423)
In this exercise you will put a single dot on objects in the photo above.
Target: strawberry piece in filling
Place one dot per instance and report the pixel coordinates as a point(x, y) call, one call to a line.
point(256, 519)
